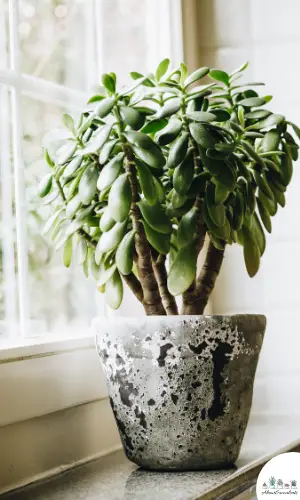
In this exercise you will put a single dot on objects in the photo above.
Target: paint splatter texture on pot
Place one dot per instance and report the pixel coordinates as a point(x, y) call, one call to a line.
point(181, 387)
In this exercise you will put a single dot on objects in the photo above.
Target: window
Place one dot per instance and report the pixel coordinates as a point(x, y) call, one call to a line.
point(52, 54)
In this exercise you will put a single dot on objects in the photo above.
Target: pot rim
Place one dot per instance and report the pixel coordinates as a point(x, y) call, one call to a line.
point(121, 319)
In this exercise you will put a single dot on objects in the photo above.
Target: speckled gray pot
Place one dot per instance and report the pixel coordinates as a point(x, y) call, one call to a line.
point(181, 386)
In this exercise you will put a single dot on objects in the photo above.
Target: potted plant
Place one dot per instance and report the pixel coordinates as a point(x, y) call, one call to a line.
point(147, 174)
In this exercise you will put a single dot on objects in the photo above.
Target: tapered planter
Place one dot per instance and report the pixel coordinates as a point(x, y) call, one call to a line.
point(181, 386)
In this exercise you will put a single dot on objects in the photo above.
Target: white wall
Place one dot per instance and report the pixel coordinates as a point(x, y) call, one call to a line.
point(265, 32)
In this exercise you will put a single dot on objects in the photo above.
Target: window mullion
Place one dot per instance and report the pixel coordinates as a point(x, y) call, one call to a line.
point(20, 200)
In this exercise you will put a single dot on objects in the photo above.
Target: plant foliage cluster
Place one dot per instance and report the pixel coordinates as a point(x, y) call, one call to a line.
point(151, 170)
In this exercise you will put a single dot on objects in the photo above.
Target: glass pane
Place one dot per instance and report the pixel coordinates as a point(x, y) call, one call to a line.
point(60, 299)
point(124, 37)
point(55, 39)
point(4, 39)
point(8, 286)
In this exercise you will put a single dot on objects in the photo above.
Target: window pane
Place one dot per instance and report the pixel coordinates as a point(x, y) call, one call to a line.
point(4, 38)
point(124, 36)
point(8, 287)
point(60, 298)
point(55, 40)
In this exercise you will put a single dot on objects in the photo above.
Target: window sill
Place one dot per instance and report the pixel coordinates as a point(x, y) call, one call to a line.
point(47, 375)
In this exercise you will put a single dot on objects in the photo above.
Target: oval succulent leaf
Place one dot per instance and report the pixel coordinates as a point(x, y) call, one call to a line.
point(124, 253)
point(216, 212)
point(106, 151)
point(147, 182)
point(132, 117)
point(119, 199)
point(155, 216)
point(252, 102)
point(270, 141)
point(170, 108)
point(154, 126)
point(251, 252)
point(114, 291)
point(88, 184)
point(159, 241)
point(202, 135)
point(169, 133)
point(45, 185)
point(201, 116)
point(162, 68)
point(104, 107)
point(110, 240)
point(183, 175)
point(219, 75)
point(183, 270)
point(98, 140)
point(110, 172)
point(106, 221)
point(152, 157)
point(196, 75)
point(187, 227)
point(178, 150)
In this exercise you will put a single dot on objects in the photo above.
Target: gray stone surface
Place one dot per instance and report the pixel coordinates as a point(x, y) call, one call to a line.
point(181, 386)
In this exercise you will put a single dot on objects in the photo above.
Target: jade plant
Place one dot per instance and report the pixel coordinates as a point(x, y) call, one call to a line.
point(151, 171)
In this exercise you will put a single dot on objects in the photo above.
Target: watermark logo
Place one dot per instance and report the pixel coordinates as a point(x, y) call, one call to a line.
point(280, 476)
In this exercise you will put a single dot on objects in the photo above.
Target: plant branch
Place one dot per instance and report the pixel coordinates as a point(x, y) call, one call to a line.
point(188, 297)
point(206, 280)
point(135, 286)
point(152, 300)
point(159, 267)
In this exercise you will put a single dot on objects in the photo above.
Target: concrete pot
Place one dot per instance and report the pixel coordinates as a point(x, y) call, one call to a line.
point(181, 386)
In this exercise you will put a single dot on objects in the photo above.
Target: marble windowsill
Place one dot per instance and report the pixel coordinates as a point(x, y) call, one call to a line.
point(115, 478)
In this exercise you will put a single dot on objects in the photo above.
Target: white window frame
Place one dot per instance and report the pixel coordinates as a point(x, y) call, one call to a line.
point(39, 376)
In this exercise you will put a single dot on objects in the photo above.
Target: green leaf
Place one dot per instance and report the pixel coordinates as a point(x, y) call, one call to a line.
point(98, 140)
point(72, 167)
point(252, 102)
point(45, 185)
point(68, 122)
point(251, 252)
point(52, 221)
point(147, 182)
point(106, 221)
point(106, 270)
point(216, 212)
point(258, 234)
point(286, 169)
point(241, 116)
point(202, 135)
point(107, 150)
point(221, 115)
point(109, 83)
point(270, 205)
point(220, 232)
point(238, 211)
point(170, 108)
point(270, 121)
point(114, 291)
point(178, 150)
point(88, 184)
point(160, 192)
point(82, 250)
point(124, 254)
point(177, 200)
point(170, 132)
point(296, 129)
point(251, 152)
point(159, 241)
point(139, 139)
point(48, 159)
point(183, 270)
point(155, 216)
point(73, 205)
point(140, 81)
point(137, 76)
point(240, 69)
point(196, 75)
point(119, 199)
point(65, 153)
point(187, 227)
point(201, 116)
point(264, 215)
point(110, 240)
point(183, 175)
point(262, 182)
point(110, 172)
point(183, 73)
point(96, 98)
point(257, 114)
point(105, 107)
point(154, 126)
point(270, 141)
point(152, 157)
point(221, 193)
point(132, 117)
point(67, 255)
point(220, 76)
point(162, 69)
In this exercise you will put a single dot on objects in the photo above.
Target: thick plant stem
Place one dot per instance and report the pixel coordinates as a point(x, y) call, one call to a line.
point(152, 301)
point(206, 280)
point(188, 297)
point(133, 283)
point(159, 267)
